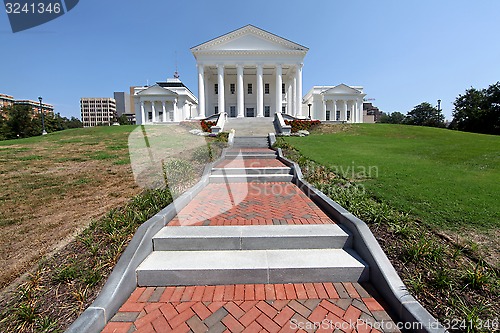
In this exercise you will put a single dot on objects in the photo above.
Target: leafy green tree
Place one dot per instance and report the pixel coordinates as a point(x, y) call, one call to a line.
point(20, 122)
point(123, 120)
point(478, 110)
point(393, 118)
point(425, 114)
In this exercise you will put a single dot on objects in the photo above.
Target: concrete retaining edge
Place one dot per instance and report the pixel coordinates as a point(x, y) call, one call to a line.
point(123, 279)
point(383, 275)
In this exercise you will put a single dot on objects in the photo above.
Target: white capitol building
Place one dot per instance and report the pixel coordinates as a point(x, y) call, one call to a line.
point(248, 72)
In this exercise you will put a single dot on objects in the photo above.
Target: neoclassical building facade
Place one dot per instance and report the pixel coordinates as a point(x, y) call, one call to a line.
point(248, 72)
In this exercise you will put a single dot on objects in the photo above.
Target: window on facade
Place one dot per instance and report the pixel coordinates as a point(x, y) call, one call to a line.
point(327, 115)
point(283, 88)
point(216, 88)
point(283, 109)
point(337, 115)
point(348, 115)
point(216, 109)
point(232, 88)
point(250, 89)
point(267, 111)
point(266, 88)
point(232, 111)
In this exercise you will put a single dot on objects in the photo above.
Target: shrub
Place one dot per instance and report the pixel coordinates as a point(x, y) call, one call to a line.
point(301, 125)
point(206, 126)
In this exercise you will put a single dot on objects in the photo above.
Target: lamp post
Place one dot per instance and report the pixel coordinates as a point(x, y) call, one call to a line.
point(439, 105)
point(190, 114)
point(43, 120)
point(309, 105)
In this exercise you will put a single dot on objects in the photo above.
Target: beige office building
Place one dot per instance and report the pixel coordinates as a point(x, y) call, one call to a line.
point(97, 111)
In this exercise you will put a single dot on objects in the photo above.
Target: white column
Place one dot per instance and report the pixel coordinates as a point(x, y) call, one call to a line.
point(164, 110)
point(324, 110)
point(295, 108)
point(344, 109)
point(201, 90)
point(143, 114)
point(299, 90)
point(279, 98)
point(153, 111)
point(335, 109)
point(240, 97)
point(360, 111)
point(176, 116)
point(289, 98)
point(220, 80)
point(260, 91)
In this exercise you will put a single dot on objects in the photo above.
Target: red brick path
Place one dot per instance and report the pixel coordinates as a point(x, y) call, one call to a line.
point(250, 204)
point(308, 307)
point(251, 163)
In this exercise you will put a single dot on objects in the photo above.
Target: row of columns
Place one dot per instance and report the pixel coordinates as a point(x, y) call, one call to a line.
point(296, 85)
point(154, 112)
point(356, 109)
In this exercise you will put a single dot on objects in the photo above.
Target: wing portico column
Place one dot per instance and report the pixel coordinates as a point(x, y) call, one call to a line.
point(164, 112)
point(260, 92)
point(299, 90)
point(143, 114)
point(220, 76)
point(153, 110)
point(240, 98)
point(335, 110)
point(279, 98)
point(294, 90)
point(175, 111)
point(201, 90)
point(344, 110)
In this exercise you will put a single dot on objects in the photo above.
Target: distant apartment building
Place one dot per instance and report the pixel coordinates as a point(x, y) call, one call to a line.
point(371, 113)
point(47, 109)
point(97, 111)
point(5, 101)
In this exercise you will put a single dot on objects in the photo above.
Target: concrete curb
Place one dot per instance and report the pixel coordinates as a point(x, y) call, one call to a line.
point(123, 279)
point(383, 275)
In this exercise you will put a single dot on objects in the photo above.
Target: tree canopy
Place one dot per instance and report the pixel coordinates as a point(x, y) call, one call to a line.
point(425, 114)
point(478, 110)
point(18, 121)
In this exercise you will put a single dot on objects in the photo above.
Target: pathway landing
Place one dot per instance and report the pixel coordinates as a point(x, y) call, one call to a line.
point(307, 307)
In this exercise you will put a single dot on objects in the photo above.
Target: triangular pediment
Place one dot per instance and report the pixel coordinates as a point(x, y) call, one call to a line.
point(249, 38)
point(342, 89)
point(156, 90)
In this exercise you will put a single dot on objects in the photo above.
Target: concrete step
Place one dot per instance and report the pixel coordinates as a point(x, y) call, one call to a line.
point(251, 178)
point(255, 237)
point(250, 155)
point(170, 268)
point(250, 171)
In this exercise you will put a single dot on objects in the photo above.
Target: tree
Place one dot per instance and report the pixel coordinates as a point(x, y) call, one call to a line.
point(478, 110)
point(20, 122)
point(123, 120)
point(393, 118)
point(425, 114)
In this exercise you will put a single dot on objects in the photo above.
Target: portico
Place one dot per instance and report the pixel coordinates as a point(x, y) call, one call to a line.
point(249, 73)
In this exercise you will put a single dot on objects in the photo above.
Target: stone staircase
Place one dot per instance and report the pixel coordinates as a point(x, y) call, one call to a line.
point(251, 254)
point(248, 127)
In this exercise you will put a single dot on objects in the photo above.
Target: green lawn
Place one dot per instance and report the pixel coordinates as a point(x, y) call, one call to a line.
point(446, 178)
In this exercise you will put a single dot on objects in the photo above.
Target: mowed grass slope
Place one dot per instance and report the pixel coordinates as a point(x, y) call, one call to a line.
point(448, 179)
point(57, 184)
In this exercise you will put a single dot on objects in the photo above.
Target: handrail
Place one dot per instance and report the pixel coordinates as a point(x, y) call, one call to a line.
point(280, 124)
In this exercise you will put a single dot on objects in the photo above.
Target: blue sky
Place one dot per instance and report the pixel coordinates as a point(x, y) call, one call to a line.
point(402, 52)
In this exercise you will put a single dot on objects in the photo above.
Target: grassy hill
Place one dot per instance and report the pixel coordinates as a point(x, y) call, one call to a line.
point(448, 179)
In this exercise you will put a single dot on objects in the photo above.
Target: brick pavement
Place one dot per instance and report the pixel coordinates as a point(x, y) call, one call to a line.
point(250, 204)
point(251, 163)
point(308, 307)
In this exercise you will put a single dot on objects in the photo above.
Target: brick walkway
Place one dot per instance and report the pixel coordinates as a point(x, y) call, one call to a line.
point(251, 163)
point(250, 204)
point(309, 307)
